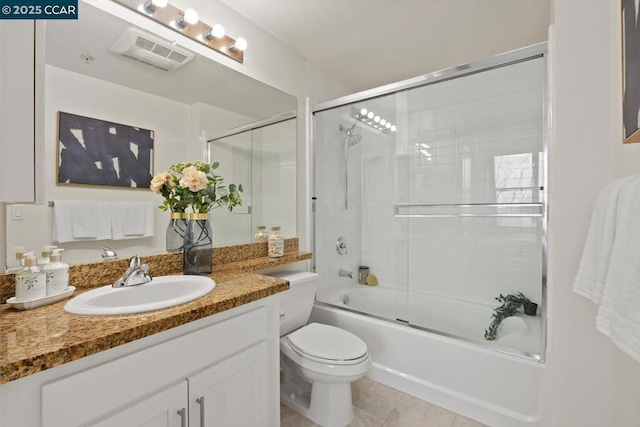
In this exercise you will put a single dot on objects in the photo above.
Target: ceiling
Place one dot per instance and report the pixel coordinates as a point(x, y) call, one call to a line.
point(368, 43)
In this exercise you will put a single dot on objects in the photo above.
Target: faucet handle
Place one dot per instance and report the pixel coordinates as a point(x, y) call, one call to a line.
point(135, 261)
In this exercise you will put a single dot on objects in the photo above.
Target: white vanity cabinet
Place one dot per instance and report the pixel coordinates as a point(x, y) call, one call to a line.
point(224, 368)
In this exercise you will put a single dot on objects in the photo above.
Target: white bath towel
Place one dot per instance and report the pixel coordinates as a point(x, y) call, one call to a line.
point(619, 311)
point(84, 219)
point(596, 256)
point(119, 218)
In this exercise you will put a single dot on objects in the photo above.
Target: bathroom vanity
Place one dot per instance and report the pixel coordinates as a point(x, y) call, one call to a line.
point(222, 367)
point(212, 361)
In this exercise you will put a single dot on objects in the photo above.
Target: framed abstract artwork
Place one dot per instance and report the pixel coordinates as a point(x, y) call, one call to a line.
point(631, 71)
point(97, 152)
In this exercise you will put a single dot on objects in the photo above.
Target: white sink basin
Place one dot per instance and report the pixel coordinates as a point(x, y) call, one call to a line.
point(161, 292)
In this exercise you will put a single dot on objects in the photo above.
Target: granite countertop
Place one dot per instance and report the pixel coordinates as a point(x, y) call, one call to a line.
point(32, 341)
point(35, 340)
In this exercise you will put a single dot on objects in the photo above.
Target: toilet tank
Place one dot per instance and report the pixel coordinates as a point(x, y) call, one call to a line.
point(297, 302)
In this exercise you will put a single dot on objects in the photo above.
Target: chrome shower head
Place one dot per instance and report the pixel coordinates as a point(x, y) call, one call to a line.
point(352, 138)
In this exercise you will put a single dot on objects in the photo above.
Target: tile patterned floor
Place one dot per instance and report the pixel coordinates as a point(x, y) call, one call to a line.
point(376, 405)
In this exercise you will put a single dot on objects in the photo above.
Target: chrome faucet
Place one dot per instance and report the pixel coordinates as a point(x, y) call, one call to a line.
point(136, 274)
point(345, 273)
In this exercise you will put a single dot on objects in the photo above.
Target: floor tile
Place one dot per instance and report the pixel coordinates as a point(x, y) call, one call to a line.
point(364, 419)
point(466, 422)
point(413, 412)
point(291, 418)
point(374, 398)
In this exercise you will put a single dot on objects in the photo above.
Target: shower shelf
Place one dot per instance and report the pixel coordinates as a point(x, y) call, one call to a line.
point(501, 210)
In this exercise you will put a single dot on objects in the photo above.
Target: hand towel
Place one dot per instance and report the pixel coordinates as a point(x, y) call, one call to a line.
point(134, 218)
point(104, 220)
point(596, 256)
point(84, 219)
point(62, 221)
point(63, 230)
point(119, 212)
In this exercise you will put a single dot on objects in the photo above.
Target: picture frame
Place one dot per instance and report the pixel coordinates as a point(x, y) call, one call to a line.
point(630, 72)
point(97, 152)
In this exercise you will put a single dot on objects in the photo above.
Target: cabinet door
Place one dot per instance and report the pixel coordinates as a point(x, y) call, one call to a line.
point(231, 393)
point(161, 409)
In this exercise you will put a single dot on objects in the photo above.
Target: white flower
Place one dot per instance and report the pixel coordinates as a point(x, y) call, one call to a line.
point(193, 179)
point(159, 180)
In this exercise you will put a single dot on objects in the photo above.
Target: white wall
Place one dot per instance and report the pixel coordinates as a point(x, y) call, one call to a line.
point(588, 382)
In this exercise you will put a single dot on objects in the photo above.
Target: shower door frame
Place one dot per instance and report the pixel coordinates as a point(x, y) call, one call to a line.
point(527, 53)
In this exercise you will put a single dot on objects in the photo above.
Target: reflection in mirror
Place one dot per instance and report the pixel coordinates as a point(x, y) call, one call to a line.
point(183, 107)
point(264, 157)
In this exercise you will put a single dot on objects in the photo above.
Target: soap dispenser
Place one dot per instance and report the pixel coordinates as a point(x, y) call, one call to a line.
point(31, 282)
point(46, 255)
point(57, 274)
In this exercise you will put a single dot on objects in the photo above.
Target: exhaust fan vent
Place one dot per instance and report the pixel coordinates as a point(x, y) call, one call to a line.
point(151, 50)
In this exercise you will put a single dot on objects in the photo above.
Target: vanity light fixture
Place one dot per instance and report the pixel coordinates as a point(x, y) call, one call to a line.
point(188, 24)
point(374, 120)
point(152, 5)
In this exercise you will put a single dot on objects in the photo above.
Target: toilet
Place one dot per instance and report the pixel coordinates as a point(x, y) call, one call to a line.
point(317, 362)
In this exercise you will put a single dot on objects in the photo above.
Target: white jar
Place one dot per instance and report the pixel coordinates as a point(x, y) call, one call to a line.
point(261, 235)
point(275, 243)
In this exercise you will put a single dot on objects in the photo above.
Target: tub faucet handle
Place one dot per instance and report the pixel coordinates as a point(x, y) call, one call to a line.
point(341, 246)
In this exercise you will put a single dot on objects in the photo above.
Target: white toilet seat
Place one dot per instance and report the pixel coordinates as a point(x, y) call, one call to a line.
point(328, 344)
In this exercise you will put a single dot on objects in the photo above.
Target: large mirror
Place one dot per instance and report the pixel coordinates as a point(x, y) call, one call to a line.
point(191, 111)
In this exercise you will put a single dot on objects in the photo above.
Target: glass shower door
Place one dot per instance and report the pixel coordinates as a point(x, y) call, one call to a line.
point(473, 211)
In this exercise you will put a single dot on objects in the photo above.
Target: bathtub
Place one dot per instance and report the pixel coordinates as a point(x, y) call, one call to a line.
point(493, 387)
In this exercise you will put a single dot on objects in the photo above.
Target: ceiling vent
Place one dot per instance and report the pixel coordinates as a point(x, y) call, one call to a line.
point(151, 50)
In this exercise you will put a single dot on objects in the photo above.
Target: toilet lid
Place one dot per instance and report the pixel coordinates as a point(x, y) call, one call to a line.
point(327, 342)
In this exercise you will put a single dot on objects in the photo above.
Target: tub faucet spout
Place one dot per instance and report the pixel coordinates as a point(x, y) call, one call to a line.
point(345, 273)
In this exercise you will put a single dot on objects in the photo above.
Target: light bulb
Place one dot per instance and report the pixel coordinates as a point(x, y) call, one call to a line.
point(370, 115)
point(190, 16)
point(216, 32)
point(383, 122)
point(240, 44)
point(363, 112)
point(393, 128)
point(388, 125)
point(151, 6)
point(376, 119)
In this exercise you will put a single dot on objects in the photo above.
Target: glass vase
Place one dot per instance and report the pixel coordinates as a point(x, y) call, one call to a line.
point(175, 231)
point(198, 245)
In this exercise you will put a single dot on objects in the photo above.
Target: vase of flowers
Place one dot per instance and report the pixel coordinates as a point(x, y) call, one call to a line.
point(195, 186)
point(167, 185)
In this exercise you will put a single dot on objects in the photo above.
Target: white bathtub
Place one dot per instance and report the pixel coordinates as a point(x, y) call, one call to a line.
point(498, 389)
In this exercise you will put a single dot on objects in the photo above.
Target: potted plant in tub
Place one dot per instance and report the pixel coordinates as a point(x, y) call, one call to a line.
point(508, 307)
